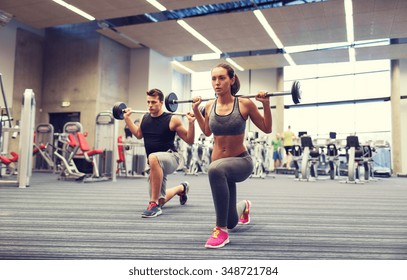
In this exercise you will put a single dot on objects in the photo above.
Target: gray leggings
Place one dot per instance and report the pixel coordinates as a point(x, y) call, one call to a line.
point(223, 175)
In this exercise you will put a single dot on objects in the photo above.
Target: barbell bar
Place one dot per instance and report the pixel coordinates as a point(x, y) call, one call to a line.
point(171, 100)
point(119, 107)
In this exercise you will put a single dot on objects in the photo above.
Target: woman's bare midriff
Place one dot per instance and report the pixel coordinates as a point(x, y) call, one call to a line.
point(228, 146)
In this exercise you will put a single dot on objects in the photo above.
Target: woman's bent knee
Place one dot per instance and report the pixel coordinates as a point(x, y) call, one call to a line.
point(215, 171)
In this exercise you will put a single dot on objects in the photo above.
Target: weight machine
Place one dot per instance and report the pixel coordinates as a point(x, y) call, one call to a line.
point(66, 148)
point(296, 159)
point(26, 138)
point(310, 159)
point(105, 126)
point(90, 156)
point(359, 161)
point(260, 156)
point(43, 148)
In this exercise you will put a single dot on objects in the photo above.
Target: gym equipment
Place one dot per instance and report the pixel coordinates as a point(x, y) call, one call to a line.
point(9, 117)
point(42, 151)
point(171, 100)
point(121, 161)
point(261, 153)
point(44, 135)
point(65, 148)
point(323, 166)
point(194, 167)
point(90, 156)
point(131, 162)
point(67, 167)
point(310, 159)
point(72, 127)
point(201, 152)
point(26, 138)
point(250, 141)
point(382, 159)
point(119, 107)
point(332, 156)
point(207, 147)
point(10, 163)
point(181, 149)
point(359, 160)
point(105, 125)
point(297, 156)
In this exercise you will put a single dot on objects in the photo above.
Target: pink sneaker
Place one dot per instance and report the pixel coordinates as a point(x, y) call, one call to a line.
point(245, 217)
point(218, 239)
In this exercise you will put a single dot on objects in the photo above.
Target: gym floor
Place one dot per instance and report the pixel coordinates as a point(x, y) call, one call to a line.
point(290, 219)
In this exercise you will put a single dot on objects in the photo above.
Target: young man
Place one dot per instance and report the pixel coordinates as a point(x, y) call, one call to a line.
point(277, 144)
point(158, 128)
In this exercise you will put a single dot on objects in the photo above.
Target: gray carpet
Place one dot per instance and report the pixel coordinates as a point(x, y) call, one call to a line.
point(290, 220)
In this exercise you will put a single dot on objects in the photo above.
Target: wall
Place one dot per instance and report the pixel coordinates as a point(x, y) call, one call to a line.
point(8, 53)
point(86, 69)
point(160, 72)
point(27, 75)
point(71, 73)
point(139, 78)
point(181, 86)
point(114, 68)
point(28, 69)
point(148, 69)
point(253, 81)
point(21, 57)
point(8, 36)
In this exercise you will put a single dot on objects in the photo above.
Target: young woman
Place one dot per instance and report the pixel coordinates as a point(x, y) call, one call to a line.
point(226, 118)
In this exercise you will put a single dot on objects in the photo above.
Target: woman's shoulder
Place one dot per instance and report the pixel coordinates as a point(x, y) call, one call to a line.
point(247, 102)
point(210, 103)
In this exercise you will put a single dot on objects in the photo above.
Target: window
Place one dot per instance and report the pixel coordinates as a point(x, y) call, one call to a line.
point(341, 82)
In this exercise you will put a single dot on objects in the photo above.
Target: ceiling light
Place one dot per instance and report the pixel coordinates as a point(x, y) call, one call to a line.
point(259, 15)
point(205, 56)
point(74, 9)
point(231, 61)
point(156, 4)
point(198, 35)
point(176, 63)
point(261, 18)
point(349, 29)
point(349, 21)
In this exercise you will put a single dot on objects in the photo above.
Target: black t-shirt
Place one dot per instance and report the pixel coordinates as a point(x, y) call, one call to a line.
point(157, 134)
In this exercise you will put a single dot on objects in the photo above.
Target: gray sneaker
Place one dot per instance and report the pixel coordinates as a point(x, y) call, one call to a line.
point(184, 196)
point(153, 210)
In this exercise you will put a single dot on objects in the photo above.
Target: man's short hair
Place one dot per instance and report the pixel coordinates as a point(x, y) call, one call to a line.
point(156, 92)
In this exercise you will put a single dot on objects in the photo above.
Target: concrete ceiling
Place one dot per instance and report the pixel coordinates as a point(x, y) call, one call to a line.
point(237, 33)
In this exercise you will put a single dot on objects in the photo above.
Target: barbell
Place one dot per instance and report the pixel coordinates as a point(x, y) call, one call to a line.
point(171, 100)
point(119, 107)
